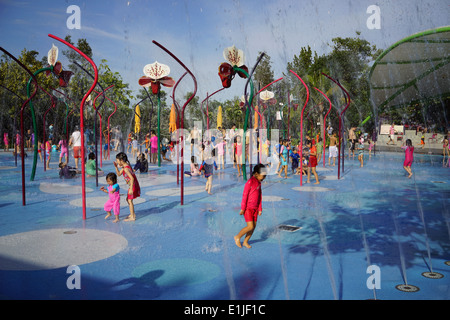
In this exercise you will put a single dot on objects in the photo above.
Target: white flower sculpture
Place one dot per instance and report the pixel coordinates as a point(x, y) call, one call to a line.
point(266, 95)
point(156, 74)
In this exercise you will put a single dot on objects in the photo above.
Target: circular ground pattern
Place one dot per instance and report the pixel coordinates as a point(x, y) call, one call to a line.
point(57, 248)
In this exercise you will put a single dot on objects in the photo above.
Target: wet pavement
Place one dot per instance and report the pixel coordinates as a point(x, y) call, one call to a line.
point(355, 238)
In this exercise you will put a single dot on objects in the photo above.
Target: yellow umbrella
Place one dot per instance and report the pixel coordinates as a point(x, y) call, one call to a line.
point(219, 117)
point(137, 120)
point(173, 119)
point(255, 125)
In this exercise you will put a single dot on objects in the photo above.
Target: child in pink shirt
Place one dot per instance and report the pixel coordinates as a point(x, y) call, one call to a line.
point(154, 147)
point(409, 151)
point(63, 148)
point(220, 153)
point(251, 206)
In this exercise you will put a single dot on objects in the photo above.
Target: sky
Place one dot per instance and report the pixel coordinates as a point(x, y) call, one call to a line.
point(197, 32)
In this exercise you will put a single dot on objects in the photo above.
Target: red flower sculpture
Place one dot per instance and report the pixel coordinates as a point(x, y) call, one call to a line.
point(155, 75)
point(227, 70)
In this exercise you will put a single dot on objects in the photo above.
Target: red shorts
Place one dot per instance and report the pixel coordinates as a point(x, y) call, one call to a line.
point(251, 215)
point(77, 152)
point(312, 162)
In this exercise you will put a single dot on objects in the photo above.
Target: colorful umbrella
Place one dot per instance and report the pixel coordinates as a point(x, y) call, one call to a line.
point(173, 119)
point(219, 117)
point(137, 119)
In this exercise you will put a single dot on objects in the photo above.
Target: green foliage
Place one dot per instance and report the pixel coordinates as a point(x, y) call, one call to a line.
point(263, 74)
point(348, 61)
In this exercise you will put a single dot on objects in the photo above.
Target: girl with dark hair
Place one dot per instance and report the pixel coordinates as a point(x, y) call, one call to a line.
point(134, 190)
point(251, 205)
point(113, 202)
point(409, 155)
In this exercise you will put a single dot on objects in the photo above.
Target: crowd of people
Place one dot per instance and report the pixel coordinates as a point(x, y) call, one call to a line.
point(208, 152)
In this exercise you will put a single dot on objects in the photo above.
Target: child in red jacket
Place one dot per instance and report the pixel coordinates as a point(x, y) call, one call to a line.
point(251, 205)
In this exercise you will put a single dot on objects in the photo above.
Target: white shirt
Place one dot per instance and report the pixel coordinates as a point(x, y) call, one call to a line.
point(76, 138)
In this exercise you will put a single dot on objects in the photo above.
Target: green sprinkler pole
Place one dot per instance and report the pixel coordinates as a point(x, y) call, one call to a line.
point(36, 137)
point(244, 149)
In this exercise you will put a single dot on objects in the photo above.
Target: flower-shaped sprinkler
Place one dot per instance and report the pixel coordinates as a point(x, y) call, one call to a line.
point(156, 74)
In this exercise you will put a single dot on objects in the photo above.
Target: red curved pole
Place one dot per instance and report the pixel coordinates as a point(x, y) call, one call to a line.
point(83, 169)
point(301, 125)
point(177, 107)
point(182, 111)
point(324, 121)
point(340, 123)
point(269, 85)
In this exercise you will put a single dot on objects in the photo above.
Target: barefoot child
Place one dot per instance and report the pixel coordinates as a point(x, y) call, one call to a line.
point(284, 159)
point(371, 145)
point(134, 190)
point(312, 163)
point(194, 168)
point(114, 197)
point(6, 141)
point(361, 152)
point(251, 205)
point(333, 150)
point(63, 149)
point(207, 166)
point(409, 150)
point(238, 155)
point(295, 161)
point(48, 150)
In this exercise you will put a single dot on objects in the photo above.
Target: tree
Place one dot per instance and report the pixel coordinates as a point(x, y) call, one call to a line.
point(263, 74)
point(349, 61)
point(310, 66)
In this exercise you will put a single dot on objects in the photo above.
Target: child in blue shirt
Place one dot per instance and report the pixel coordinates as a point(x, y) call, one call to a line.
point(295, 161)
point(207, 166)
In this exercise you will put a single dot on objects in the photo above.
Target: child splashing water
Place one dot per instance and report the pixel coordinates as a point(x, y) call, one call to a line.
point(114, 197)
point(251, 205)
point(409, 151)
point(134, 190)
point(207, 166)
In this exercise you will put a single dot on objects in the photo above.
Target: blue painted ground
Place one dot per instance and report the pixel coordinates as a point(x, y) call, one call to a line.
point(372, 216)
